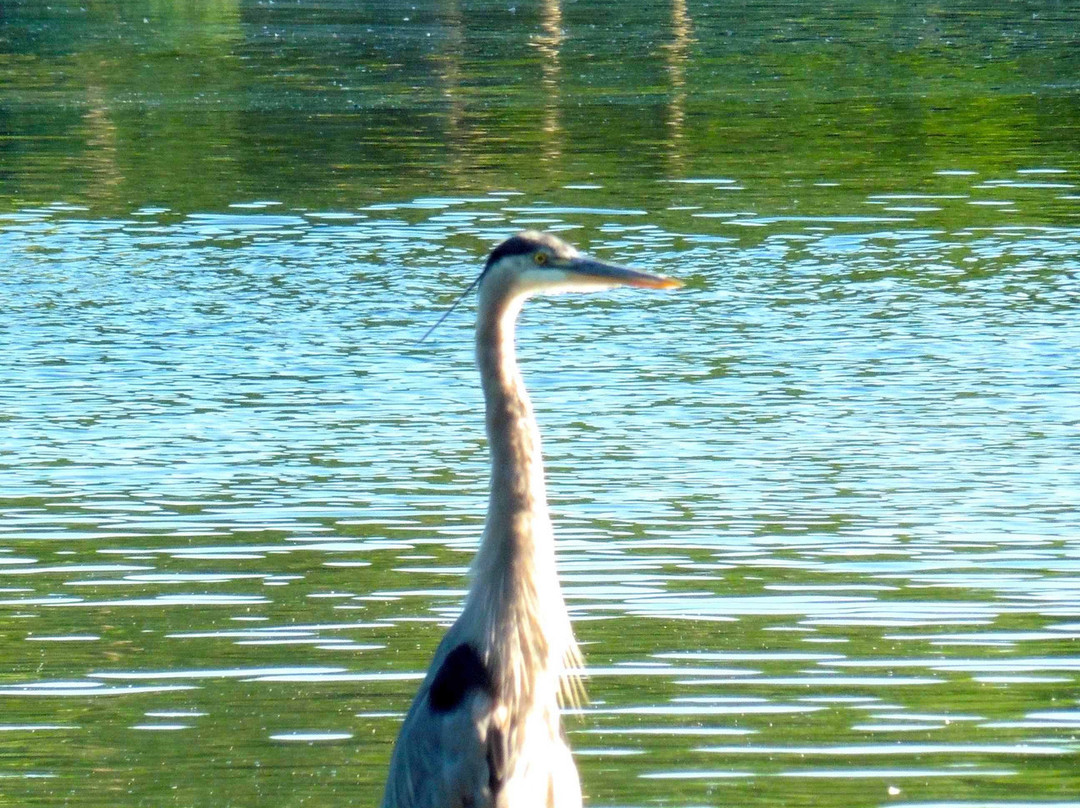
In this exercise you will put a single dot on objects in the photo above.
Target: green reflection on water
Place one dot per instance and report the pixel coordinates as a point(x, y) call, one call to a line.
point(324, 105)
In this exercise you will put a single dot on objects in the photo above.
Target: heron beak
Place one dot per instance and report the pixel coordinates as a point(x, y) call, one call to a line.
point(613, 275)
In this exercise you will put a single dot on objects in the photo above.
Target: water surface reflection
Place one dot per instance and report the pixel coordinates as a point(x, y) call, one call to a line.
point(815, 513)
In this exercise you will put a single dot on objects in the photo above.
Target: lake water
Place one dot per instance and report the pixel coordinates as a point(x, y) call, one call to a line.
point(817, 510)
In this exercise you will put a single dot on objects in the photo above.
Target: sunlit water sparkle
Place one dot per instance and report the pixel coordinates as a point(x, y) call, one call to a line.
point(821, 502)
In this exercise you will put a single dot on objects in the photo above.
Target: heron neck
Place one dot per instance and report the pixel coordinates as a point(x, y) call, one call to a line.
point(515, 608)
point(518, 530)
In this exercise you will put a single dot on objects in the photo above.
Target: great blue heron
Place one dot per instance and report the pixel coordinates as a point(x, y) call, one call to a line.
point(485, 729)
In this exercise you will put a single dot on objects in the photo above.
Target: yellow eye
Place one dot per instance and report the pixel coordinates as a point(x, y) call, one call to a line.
point(540, 258)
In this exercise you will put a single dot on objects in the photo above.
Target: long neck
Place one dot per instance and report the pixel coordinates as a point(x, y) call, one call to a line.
point(515, 605)
point(518, 541)
point(515, 609)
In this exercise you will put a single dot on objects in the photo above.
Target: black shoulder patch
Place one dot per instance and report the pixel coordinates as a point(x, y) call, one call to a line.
point(461, 672)
point(515, 245)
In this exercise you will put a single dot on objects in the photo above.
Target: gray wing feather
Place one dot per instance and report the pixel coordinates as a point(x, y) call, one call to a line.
point(447, 755)
point(454, 750)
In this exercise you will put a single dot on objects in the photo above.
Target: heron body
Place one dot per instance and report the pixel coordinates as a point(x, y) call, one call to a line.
point(485, 727)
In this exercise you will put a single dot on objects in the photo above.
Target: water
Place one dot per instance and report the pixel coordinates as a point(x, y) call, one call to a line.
point(816, 510)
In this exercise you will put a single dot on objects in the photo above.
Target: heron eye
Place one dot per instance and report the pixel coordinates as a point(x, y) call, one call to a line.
point(540, 258)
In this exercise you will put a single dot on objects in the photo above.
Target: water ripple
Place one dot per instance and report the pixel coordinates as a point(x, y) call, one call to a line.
point(819, 506)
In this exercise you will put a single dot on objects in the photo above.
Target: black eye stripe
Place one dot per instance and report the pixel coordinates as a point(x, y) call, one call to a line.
point(515, 245)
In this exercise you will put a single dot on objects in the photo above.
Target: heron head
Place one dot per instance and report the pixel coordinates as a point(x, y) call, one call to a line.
point(540, 263)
